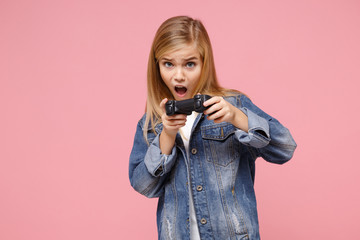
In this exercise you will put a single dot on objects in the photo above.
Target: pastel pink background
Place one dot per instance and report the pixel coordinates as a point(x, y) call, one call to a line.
point(73, 86)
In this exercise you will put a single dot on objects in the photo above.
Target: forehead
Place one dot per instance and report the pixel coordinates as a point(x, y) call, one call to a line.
point(184, 52)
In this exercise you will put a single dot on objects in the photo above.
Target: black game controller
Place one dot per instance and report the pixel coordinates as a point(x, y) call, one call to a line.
point(187, 106)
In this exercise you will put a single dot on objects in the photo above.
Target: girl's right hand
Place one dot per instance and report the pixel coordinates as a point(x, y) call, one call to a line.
point(171, 124)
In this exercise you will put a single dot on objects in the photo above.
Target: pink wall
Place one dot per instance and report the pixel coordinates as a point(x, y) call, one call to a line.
point(72, 88)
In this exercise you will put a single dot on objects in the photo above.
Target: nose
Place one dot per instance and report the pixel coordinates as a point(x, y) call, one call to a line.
point(179, 75)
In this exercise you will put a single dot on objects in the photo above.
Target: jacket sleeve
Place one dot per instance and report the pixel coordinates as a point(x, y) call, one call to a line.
point(266, 137)
point(148, 167)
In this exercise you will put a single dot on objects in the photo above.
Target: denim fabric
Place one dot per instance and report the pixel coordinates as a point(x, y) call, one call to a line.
point(222, 169)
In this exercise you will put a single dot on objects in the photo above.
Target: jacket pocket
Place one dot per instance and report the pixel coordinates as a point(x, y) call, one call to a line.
point(220, 144)
point(244, 236)
point(239, 226)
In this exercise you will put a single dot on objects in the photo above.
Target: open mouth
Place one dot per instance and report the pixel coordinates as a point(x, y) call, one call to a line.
point(180, 90)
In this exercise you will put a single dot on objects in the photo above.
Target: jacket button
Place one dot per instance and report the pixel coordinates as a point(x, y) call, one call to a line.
point(193, 151)
point(199, 188)
point(203, 221)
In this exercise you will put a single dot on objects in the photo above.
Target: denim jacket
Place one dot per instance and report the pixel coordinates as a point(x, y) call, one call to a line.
point(221, 168)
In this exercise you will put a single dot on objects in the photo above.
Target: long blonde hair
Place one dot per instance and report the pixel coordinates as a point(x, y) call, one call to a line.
point(172, 35)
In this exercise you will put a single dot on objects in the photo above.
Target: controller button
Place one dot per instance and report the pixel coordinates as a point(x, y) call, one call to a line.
point(197, 104)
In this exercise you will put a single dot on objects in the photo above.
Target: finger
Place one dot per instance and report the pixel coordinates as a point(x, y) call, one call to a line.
point(212, 100)
point(178, 116)
point(213, 109)
point(180, 125)
point(162, 104)
point(168, 121)
point(217, 115)
point(175, 126)
point(176, 122)
point(175, 117)
point(219, 120)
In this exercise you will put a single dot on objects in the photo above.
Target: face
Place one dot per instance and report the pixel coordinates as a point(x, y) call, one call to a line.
point(181, 70)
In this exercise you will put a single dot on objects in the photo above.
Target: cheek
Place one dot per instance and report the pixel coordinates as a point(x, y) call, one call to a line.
point(164, 75)
point(166, 78)
point(196, 76)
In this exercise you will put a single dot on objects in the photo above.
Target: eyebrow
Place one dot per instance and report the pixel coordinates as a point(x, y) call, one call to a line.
point(187, 59)
point(191, 58)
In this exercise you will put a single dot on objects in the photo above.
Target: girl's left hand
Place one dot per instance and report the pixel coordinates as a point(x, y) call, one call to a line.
point(223, 111)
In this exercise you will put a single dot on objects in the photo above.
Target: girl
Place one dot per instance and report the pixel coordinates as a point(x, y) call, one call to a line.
point(201, 166)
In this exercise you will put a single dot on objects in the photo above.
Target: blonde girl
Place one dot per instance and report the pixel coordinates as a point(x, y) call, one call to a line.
point(200, 166)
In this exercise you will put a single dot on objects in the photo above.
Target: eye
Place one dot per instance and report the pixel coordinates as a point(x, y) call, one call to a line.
point(190, 64)
point(168, 64)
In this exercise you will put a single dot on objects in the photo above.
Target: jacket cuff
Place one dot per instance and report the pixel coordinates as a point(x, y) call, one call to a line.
point(157, 163)
point(258, 135)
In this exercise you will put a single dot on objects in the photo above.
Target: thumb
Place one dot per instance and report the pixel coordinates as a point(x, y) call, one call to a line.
point(162, 104)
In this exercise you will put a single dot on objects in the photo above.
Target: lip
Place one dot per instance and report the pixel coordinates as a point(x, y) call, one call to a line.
point(178, 94)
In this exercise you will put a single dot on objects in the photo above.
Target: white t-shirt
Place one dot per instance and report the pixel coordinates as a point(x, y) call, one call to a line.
point(185, 135)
